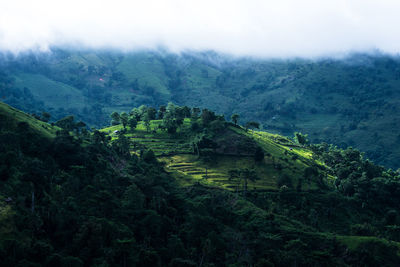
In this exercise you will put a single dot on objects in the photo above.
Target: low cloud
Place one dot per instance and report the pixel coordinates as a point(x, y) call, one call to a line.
point(285, 28)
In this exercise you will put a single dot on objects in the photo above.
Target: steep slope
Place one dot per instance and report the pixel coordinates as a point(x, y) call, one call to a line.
point(11, 119)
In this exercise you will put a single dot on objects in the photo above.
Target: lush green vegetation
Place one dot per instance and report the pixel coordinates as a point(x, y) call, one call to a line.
point(348, 102)
point(215, 153)
point(211, 193)
point(12, 118)
point(173, 185)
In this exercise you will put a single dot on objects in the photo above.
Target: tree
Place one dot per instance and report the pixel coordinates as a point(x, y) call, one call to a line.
point(207, 116)
point(99, 138)
point(67, 123)
point(194, 126)
point(235, 118)
point(252, 125)
point(45, 116)
point(179, 115)
point(195, 113)
point(301, 138)
point(146, 121)
point(171, 109)
point(243, 174)
point(151, 113)
point(122, 145)
point(169, 121)
point(124, 119)
point(248, 174)
point(186, 112)
point(80, 127)
point(195, 143)
point(149, 156)
point(161, 112)
point(135, 113)
point(259, 155)
point(142, 111)
point(132, 122)
point(171, 127)
point(115, 118)
point(208, 157)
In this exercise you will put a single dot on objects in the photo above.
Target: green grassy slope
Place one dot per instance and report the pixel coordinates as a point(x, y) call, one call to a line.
point(282, 158)
point(54, 94)
point(146, 69)
point(10, 117)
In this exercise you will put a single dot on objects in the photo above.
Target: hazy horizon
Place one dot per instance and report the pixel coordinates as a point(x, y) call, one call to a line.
point(242, 28)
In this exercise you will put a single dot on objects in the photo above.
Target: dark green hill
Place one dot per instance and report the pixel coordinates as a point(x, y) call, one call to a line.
point(347, 102)
point(11, 119)
point(88, 199)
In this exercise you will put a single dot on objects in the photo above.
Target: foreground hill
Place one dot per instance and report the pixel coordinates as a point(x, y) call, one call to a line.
point(347, 102)
point(89, 199)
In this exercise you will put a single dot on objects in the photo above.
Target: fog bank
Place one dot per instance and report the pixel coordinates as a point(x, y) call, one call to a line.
point(284, 28)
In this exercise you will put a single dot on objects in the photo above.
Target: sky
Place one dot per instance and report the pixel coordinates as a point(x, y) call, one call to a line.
point(262, 28)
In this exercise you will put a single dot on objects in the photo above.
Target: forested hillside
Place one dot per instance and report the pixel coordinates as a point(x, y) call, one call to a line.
point(347, 102)
point(71, 197)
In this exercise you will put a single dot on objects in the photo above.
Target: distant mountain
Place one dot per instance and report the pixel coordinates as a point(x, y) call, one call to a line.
point(348, 102)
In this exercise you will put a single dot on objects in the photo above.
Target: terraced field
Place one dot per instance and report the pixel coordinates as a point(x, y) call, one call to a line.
point(282, 158)
point(189, 170)
point(160, 146)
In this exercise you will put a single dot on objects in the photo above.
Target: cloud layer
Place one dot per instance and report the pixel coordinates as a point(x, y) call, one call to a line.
point(283, 28)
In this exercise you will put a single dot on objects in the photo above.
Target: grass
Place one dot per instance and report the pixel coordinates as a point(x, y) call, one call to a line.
point(54, 94)
point(14, 116)
point(177, 154)
point(192, 170)
point(146, 69)
point(283, 150)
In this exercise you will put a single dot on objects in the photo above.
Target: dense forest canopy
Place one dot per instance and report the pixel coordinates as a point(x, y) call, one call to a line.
point(110, 197)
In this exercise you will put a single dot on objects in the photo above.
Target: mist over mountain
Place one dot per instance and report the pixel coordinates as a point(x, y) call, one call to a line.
point(281, 29)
